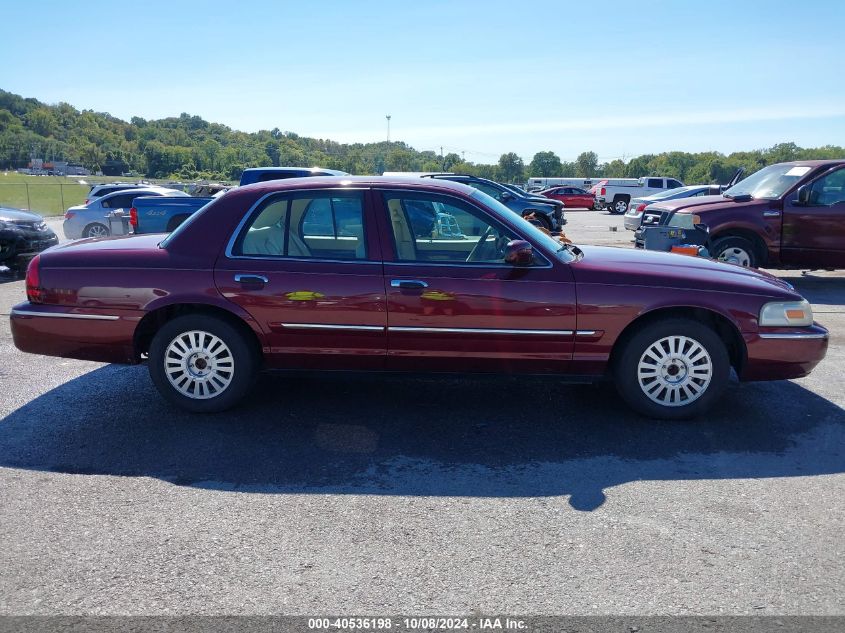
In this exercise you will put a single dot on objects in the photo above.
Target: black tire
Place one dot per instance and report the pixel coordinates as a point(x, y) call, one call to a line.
point(543, 220)
point(244, 360)
point(735, 250)
point(619, 205)
point(89, 231)
point(175, 221)
point(627, 377)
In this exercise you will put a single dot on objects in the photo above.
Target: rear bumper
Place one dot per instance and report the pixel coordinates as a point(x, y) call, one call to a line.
point(632, 222)
point(72, 332)
point(782, 353)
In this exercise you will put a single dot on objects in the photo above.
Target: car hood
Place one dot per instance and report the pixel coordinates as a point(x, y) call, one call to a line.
point(18, 215)
point(703, 204)
point(637, 267)
point(542, 200)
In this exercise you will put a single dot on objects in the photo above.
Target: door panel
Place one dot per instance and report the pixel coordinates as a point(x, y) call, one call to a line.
point(814, 235)
point(449, 314)
point(316, 312)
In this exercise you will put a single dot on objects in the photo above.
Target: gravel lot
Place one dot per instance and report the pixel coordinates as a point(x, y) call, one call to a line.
point(353, 495)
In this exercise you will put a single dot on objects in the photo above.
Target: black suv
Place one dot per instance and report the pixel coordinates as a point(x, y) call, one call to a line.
point(548, 212)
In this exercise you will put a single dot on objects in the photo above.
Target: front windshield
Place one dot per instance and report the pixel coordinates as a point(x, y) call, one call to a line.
point(532, 232)
point(769, 183)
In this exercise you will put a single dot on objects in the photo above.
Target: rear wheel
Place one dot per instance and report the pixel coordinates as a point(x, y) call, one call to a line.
point(735, 250)
point(202, 363)
point(95, 230)
point(619, 206)
point(672, 369)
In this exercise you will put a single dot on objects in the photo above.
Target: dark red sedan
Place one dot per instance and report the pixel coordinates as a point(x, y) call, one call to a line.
point(411, 275)
point(572, 197)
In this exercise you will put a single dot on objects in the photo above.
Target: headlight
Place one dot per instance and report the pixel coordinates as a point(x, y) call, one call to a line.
point(786, 314)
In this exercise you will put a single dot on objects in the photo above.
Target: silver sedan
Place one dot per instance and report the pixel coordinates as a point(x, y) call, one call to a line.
point(91, 220)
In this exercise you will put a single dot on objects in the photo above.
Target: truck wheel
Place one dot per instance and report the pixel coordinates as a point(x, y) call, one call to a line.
point(672, 369)
point(202, 363)
point(735, 250)
point(619, 206)
point(543, 220)
point(95, 230)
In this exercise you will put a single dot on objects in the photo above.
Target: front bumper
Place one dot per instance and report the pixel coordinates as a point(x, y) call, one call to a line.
point(73, 332)
point(783, 353)
point(18, 250)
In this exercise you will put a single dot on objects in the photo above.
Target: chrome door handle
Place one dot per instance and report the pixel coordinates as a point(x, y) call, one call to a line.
point(251, 279)
point(408, 284)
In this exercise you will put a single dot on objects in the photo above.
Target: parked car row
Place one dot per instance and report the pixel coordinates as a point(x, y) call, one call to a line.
point(408, 274)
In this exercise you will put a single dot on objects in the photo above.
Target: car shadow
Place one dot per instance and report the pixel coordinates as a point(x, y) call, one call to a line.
point(817, 288)
point(387, 435)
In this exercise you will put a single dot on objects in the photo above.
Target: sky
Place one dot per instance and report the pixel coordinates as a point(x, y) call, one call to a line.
point(483, 78)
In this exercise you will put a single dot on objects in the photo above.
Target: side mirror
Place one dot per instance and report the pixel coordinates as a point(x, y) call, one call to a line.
point(803, 195)
point(105, 204)
point(506, 195)
point(519, 253)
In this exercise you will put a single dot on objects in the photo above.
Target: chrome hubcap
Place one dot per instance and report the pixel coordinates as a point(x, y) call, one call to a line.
point(97, 231)
point(199, 364)
point(735, 255)
point(675, 371)
point(621, 207)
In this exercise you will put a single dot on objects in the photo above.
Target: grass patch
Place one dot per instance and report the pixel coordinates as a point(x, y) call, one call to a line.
point(47, 195)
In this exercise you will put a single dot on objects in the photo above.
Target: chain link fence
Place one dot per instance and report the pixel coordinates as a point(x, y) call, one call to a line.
point(47, 198)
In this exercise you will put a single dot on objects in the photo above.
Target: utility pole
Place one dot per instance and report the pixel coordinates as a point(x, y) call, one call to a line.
point(387, 116)
point(442, 160)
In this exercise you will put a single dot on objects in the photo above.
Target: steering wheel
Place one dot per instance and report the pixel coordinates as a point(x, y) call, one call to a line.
point(477, 251)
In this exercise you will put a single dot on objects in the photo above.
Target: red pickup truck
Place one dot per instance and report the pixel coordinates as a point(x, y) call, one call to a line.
point(789, 215)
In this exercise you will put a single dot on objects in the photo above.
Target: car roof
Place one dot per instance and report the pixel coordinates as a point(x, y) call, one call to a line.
point(141, 189)
point(322, 182)
point(284, 170)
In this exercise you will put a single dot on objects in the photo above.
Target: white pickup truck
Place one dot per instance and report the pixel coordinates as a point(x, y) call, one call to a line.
point(615, 194)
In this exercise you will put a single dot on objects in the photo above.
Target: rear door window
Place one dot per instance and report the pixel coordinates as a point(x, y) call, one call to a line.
point(655, 183)
point(318, 225)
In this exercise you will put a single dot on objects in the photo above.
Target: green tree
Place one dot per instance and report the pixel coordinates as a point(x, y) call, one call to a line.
point(586, 165)
point(544, 165)
point(511, 168)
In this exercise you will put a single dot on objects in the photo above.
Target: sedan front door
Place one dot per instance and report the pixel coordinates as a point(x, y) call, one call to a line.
point(455, 305)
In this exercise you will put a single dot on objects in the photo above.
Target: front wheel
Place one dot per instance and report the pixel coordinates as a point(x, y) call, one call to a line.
point(202, 363)
point(672, 369)
point(735, 250)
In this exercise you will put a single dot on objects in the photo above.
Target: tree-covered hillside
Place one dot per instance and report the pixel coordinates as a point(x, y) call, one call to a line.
point(189, 147)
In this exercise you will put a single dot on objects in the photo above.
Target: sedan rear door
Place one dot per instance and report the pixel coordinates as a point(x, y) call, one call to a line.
point(306, 264)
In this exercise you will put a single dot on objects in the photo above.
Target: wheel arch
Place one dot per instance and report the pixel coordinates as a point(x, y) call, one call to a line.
point(724, 326)
point(150, 324)
point(760, 246)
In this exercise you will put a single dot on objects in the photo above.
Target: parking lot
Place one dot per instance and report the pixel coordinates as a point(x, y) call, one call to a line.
point(372, 495)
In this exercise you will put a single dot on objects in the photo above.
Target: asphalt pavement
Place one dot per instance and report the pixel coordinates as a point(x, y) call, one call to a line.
point(370, 495)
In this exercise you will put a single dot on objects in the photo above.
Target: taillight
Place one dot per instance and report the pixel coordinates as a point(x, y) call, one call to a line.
point(603, 191)
point(133, 217)
point(640, 208)
point(34, 292)
point(69, 215)
point(87, 200)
